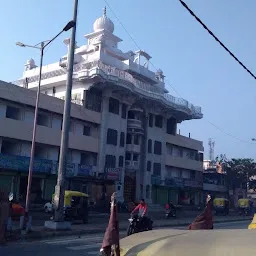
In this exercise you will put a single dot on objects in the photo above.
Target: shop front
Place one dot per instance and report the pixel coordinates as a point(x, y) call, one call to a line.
point(14, 176)
point(178, 190)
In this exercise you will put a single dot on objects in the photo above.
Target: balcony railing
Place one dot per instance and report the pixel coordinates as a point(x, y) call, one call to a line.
point(85, 70)
point(132, 164)
point(134, 123)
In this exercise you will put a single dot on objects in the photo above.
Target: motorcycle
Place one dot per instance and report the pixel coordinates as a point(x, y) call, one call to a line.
point(170, 213)
point(136, 227)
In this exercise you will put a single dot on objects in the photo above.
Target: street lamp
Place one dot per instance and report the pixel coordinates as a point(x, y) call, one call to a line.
point(41, 46)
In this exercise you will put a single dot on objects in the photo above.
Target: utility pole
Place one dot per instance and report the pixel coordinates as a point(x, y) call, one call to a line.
point(60, 187)
point(42, 47)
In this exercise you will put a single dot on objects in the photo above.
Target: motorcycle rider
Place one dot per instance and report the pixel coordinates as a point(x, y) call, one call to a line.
point(170, 207)
point(142, 210)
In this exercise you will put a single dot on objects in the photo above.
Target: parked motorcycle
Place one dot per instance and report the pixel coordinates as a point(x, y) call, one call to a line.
point(136, 226)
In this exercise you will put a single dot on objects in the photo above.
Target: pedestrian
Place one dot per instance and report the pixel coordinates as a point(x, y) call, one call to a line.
point(110, 245)
point(205, 219)
point(4, 215)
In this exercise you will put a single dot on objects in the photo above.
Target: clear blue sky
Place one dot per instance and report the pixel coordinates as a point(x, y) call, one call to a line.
point(197, 67)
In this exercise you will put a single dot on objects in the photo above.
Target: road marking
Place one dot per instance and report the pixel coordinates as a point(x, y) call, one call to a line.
point(75, 240)
point(84, 247)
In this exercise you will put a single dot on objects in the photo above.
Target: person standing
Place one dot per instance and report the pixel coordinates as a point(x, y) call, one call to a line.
point(4, 215)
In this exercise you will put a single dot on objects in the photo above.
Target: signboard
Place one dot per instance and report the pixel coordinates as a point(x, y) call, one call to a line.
point(174, 182)
point(21, 163)
point(70, 169)
point(84, 170)
point(113, 173)
point(193, 184)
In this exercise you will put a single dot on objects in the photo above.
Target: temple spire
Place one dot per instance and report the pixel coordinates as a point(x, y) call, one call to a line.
point(105, 11)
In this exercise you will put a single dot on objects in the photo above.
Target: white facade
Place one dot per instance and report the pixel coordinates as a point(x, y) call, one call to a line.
point(134, 108)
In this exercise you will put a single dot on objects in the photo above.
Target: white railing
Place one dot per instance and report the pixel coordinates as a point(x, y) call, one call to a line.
point(131, 163)
point(134, 123)
point(143, 88)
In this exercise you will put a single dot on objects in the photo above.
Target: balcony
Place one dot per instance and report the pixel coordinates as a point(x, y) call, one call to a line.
point(86, 70)
point(133, 148)
point(215, 188)
point(134, 165)
point(185, 142)
point(140, 71)
point(183, 163)
point(45, 135)
point(134, 123)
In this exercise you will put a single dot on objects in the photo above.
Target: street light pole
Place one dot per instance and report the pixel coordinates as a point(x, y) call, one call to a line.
point(33, 143)
point(42, 47)
point(60, 187)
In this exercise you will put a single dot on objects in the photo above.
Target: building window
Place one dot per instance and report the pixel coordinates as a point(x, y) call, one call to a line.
point(157, 169)
point(43, 120)
point(201, 157)
point(85, 158)
point(124, 111)
point(113, 106)
point(87, 130)
point(148, 166)
point(136, 140)
point(171, 126)
point(121, 161)
point(110, 161)
point(93, 99)
point(147, 191)
point(149, 146)
point(180, 152)
point(112, 137)
point(192, 175)
point(122, 142)
point(13, 113)
point(135, 157)
point(128, 156)
point(150, 120)
point(128, 138)
point(158, 148)
point(158, 121)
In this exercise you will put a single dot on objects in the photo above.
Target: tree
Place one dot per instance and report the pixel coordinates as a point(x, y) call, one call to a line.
point(241, 171)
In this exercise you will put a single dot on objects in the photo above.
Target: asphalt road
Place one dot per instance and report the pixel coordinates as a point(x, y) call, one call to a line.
point(75, 246)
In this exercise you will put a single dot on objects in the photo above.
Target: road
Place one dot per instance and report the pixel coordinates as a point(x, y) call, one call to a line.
point(85, 245)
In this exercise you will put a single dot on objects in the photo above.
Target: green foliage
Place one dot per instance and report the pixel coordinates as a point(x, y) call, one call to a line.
point(239, 170)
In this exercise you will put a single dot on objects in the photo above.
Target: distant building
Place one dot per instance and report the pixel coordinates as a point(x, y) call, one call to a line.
point(215, 180)
point(123, 133)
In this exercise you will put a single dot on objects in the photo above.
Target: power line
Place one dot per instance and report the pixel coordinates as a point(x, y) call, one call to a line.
point(217, 39)
point(137, 45)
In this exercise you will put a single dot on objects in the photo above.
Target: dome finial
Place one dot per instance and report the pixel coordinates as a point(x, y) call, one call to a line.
point(105, 11)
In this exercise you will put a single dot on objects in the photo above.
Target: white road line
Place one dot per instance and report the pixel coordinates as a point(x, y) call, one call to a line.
point(75, 240)
point(84, 247)
point(93, 253)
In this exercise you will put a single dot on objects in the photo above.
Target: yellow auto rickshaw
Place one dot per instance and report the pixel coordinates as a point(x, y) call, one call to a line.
point(221, 206)
point(75, 206)
point(244, 206)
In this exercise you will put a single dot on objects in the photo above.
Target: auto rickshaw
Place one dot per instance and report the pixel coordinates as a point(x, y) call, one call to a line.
point(221, 206)
point(75, 206)
point(244, 206)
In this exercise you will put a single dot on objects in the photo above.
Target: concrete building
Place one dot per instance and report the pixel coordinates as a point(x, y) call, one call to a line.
point(215, 180)
point(132, 140)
